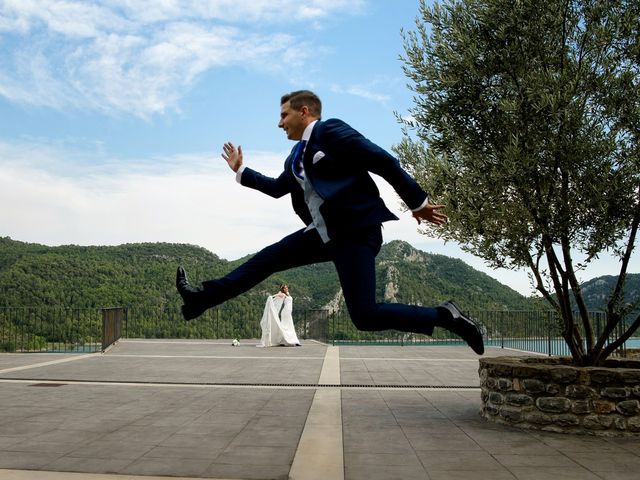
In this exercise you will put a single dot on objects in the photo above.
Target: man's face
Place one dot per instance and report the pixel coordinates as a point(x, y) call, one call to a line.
point(293, 122)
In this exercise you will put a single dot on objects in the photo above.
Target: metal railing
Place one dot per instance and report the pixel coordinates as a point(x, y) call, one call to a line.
point(50, 329)
point(55, 329)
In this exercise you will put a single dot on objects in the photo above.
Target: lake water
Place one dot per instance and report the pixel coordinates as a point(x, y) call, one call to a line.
point(544, 345)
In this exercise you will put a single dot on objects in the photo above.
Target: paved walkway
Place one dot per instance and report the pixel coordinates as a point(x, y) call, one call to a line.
point(204, 409)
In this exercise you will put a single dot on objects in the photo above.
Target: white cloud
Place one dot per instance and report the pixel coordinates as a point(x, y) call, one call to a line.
point(140, 57)
point(369, 91)
point(191, 198)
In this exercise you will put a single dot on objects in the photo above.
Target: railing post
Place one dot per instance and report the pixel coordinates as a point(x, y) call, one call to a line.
point(111, 326)
point(549, 334)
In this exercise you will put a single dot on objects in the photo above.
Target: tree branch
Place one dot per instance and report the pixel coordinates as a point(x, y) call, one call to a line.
point(613, 346)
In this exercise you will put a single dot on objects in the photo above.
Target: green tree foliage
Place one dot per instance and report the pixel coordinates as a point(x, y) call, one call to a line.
point(525, 123)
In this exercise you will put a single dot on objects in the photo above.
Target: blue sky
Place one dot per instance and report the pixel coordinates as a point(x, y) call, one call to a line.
point(113, 114)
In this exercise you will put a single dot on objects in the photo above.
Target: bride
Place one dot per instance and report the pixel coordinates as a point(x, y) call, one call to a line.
point(277, 322)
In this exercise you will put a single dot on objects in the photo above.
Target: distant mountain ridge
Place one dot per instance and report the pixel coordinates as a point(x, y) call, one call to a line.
point(144, 274)
point(597, 290)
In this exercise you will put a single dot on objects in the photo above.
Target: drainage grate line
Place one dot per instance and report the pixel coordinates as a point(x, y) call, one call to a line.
point(61, 381)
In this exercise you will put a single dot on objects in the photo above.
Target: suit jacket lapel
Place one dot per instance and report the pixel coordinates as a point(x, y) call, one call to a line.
point(312, 148)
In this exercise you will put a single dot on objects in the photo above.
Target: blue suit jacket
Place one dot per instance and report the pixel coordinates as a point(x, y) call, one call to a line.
point(337, 162)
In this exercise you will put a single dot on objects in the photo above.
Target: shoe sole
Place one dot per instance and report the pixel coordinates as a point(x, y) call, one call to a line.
point(478, 349)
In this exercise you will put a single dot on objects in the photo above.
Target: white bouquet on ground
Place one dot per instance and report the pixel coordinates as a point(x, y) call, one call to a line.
point(235, 342)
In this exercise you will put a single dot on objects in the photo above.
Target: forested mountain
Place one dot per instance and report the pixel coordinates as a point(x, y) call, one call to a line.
point(596, 291)
point(141, 277)
point(144, 274)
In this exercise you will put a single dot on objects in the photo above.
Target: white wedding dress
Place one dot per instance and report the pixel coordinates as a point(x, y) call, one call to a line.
point(277, 322)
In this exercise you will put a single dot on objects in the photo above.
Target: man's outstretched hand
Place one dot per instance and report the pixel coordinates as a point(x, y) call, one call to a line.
point(232, 155)
point(431, 213)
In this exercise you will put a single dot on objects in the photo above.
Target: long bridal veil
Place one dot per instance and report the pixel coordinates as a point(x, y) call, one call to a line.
point(277, 322)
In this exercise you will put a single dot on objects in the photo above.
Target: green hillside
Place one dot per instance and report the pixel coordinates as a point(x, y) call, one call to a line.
point(143, 275)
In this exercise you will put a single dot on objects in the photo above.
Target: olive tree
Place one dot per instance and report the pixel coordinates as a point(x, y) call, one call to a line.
point(525, 123)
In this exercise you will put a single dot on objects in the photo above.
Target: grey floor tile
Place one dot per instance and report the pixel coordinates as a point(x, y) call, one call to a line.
point(197, 441)
point(117, 449)
point(26, 460)
point(388, 459)
point(503, 474)
point(186, 467)
point(519, 447)
point(385, 472)
point(35, 445)
point(273, 437)
point(608, 462)
point(202, 452)
point(248, 472)
point(617, 475)
point(458, 460)
point(527, 460)
point(88, 465)
point(546, 473)
point(454, 442)
point(385, 442)
point(257, 455)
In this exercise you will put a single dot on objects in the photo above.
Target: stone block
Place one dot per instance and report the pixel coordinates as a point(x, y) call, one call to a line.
point(496, 398)
point(597, 422)
point(517, 385)
point(620, 423)
point(633, 424)
point(580, 391)
point(532, 385)
point(553, 404)
point(604, 376)
point(581, 407)
point(518, 399)
point(615, 392)
point(564, 374)
point(490, 409)
point(565, 420)
point(531, 371)
point(505, 384)
point(603, 406)
point(636, 391)
point(484, 395)
point(512, 415)
point(628, 407)
point(553, 389)
point(491, 383)
point(631, 376)
point(501, 370)
point(537, 418)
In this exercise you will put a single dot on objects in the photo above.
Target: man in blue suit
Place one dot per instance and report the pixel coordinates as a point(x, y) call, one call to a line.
point(327, 176)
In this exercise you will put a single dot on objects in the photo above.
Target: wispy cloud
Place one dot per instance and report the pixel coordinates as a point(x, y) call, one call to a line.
point(141, 57)
point(187, 198)
point(372, 90)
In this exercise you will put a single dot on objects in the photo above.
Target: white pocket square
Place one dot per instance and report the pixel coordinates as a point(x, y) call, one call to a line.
point(317, 157)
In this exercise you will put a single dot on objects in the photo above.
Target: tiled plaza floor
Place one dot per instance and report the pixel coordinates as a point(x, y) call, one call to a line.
point(205, 409)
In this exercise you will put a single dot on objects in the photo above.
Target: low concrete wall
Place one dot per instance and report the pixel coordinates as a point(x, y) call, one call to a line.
point(553, 395)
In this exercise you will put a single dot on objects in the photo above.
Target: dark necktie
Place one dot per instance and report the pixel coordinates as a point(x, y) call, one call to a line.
point(297, 158)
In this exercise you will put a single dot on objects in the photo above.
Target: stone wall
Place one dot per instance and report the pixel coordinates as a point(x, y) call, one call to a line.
point(550, 394)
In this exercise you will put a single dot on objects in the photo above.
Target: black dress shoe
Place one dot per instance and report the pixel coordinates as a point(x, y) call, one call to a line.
point(195, 301)
point(464, 327)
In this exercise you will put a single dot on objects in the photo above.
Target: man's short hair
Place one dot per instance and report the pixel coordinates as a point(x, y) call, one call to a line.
point(300, 98)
